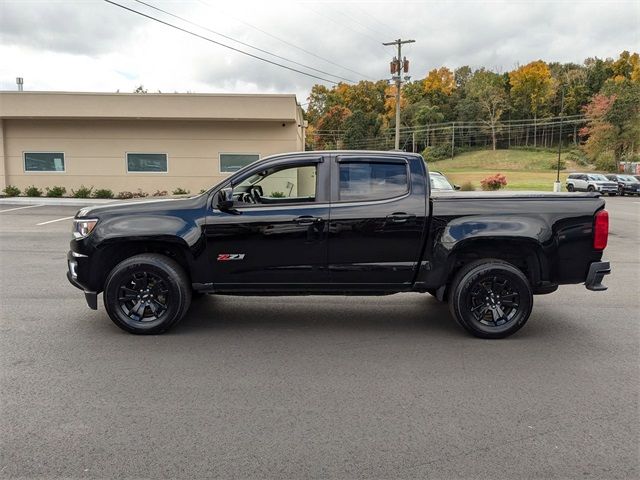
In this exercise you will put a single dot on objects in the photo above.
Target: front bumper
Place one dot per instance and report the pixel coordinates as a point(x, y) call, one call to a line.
point(73, 265)
point(597, 271)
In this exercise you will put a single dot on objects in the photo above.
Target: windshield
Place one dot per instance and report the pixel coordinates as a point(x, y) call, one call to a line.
point(628, 178)
point(439, 182)
point(598, 178)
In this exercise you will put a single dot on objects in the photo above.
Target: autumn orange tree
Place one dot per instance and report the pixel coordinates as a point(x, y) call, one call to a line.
point(532, 88)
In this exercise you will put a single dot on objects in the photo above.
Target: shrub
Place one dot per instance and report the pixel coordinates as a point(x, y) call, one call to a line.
point(277, 195)
point(180, 191)
point(202, 190)
point(124, 195)
point(494, 182)
point(11, 191)
point(33, 191)
point(140, 194)
point(82, 192)
point(56, 191)
point(467, 187)
point(432, 154)
point(578, 157)
point(103, 193)
point(160, 193)
point(553, 164)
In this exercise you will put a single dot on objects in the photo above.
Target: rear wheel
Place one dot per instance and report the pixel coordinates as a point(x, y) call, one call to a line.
point(621, 191)
point(570, 187)
point(491, 298)
point(147, 294)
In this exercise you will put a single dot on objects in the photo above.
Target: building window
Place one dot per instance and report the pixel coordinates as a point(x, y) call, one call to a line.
point(372, 181)
point(147, 162)
point(44, 162)
point(232, 162)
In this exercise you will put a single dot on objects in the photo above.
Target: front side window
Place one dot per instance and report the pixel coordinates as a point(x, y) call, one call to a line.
point(372, 181)
point(277, 186)
point(44, 162)
point(232, 162)
point(147, 162)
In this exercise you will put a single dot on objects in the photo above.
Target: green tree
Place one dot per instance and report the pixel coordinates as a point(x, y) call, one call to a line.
point(331, 126)
point(488, 91)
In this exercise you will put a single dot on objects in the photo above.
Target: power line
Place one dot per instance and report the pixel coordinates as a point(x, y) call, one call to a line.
point(242, 43)
point(220, 43)
point(286, 42)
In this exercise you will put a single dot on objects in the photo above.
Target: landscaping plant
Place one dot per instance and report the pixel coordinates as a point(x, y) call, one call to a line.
point(56, 191)
point(103, 193)
point(82, 192)
point(33, 191)
point(11, 191)
point(494, 182)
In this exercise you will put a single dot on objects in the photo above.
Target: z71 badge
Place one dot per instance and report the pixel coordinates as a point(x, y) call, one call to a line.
point(224, 257)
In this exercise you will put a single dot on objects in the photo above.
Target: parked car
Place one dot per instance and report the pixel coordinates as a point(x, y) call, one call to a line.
point(441, 183)
point(637, 177)
point(626, 184)
point(357, 223)
point(591, 182)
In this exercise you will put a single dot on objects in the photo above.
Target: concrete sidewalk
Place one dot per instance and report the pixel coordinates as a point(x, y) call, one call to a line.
point(68, 202)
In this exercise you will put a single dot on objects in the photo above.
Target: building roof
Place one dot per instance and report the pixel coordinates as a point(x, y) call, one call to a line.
point(174, 106)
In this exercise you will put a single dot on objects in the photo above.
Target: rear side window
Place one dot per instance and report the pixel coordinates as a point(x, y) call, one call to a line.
point(372, 181)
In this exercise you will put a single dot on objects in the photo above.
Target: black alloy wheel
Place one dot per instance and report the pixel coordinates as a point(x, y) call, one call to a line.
point(570, 188)
point(143, 296)
point(147, 294)
point(491, 298)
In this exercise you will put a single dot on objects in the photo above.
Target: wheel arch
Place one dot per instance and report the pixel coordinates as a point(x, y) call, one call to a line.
point(114, 252)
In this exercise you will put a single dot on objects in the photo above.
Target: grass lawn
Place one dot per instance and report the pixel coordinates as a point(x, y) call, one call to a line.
point(524, 169)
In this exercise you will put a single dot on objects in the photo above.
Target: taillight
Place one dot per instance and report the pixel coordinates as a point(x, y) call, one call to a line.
point(601, 230)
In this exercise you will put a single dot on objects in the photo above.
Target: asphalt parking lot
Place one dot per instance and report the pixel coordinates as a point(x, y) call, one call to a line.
point(300, 387)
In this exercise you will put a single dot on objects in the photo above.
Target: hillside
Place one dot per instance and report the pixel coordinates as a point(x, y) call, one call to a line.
point(524, 169)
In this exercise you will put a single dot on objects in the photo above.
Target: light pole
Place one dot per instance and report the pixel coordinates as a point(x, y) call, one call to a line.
point(557, 187)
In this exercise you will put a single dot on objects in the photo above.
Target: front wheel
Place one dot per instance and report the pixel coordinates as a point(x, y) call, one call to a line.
point(491, 298)
point(591, 188)
point(147, 294)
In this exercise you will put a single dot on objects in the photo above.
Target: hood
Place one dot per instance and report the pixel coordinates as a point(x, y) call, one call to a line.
point(139, 206)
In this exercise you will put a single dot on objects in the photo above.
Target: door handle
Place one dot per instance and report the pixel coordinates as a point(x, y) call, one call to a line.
point(400, 217)
point(307, 220)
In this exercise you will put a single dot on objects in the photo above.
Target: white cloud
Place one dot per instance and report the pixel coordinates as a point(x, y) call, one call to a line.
point(94, 46)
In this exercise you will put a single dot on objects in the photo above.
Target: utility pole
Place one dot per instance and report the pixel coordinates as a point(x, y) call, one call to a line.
point(556, 186)
point(398, 65)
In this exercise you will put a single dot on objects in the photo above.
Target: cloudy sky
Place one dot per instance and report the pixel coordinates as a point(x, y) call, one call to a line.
point(91, 45)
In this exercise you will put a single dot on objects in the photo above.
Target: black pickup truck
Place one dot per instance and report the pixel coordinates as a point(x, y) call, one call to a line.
point(340, 222)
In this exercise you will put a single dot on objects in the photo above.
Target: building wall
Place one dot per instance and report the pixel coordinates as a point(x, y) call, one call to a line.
point(95, 150)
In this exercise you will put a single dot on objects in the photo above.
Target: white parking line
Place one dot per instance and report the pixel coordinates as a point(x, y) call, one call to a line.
point(20, 208)
point(56, 220)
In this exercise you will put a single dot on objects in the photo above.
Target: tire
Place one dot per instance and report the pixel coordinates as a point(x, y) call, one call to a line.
point(570, 187)
point(490, 317)
point(147, 294)
point(591, 188)
point(621, 192)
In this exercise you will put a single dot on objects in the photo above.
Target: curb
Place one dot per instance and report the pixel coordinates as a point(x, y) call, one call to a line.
point(69, 202)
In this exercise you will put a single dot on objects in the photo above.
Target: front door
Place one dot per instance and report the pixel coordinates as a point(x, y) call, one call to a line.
point(275, 236)
point(377, 221)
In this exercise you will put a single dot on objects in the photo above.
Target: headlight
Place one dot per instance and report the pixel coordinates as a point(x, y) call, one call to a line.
point(82, 227)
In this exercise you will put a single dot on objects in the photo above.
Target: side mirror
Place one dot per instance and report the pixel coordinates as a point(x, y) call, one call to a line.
point(225, 199)
point(456, 187)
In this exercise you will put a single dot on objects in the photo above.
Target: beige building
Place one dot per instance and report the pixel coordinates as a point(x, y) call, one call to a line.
point(126, 142)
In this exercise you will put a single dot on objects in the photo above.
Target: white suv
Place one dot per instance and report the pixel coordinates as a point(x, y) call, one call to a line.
point(591, 182)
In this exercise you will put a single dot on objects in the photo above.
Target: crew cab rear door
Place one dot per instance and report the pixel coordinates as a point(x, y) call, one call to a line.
point(377, 220)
